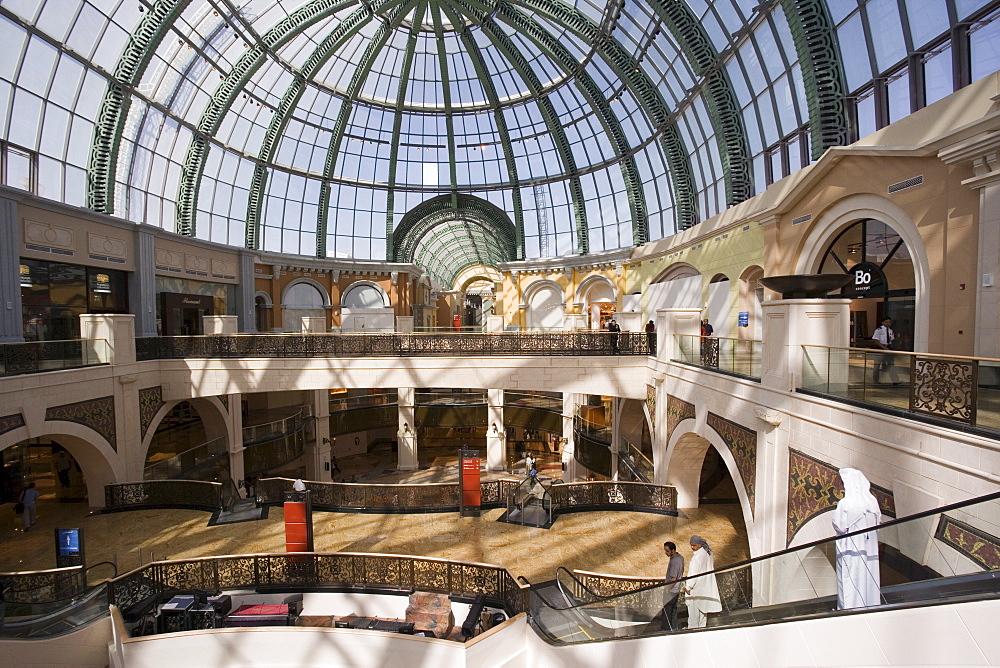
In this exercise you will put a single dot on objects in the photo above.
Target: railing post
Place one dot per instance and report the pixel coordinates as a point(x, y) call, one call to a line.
point(118, 330)
point(790, 324)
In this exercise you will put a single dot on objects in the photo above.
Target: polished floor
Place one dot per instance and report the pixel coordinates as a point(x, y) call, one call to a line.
point(622, 543)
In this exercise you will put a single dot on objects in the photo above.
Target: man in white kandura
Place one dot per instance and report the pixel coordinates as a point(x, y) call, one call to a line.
point(858, 581)
point(702, 592)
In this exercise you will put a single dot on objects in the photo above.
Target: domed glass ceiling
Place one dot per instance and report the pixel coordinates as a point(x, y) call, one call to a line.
point(313, 126)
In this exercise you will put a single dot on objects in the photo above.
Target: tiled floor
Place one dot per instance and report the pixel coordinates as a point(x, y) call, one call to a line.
point(623, 543)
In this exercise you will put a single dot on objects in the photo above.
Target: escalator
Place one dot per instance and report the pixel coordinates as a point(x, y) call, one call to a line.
point(530, 504)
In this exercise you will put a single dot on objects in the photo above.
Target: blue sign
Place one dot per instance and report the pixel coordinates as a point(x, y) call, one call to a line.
point(69, 542)
point(744, 319)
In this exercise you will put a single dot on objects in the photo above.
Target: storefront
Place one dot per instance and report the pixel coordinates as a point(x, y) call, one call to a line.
point(54, 296)
point(882, 284)
point(181, 303)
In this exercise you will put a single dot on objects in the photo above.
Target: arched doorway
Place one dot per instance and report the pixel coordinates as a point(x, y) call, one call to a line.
point(186, 446)
point(719, 306)
point(544, 300)
point(302, 299)
point(597, 297)
point(883, 283)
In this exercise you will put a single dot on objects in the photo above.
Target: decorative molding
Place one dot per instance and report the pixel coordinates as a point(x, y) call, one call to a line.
point(814, 487)
point(128, 379)
point(102, 244)
point(150, 402)
point(97, 414)
point(742, 444)
point(678, 410)
point(976, 544)
point(197, 263)
point(169, 258)
point(45, 234)
point(11, 422)
point(769, 416)
point(651, 405)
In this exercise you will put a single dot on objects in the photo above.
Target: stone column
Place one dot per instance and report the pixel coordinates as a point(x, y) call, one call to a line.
point(11, 326)
point(219, 324)
point(570, 402)
point(142, 282)
point(660, 430)
point(671, 322)
point(119, 332)
point(767, 534)
point(245, 293)
point(237, 470)
point(617, 404)
point(790, 324)
point(982, 152)
point(322, 445)
point(496, 451)
point(407, 433)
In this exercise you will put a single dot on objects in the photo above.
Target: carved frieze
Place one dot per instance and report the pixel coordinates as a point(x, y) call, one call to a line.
point(150, 401)
point(678, 410)
point(97, 414)
point(742, 443)
point(11, 422)
point(815, 487)
point(976, 544)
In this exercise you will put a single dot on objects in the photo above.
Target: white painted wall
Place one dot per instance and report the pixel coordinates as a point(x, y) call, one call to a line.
point(678, 293)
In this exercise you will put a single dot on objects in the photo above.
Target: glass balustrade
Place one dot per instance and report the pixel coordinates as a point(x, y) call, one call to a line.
point(740, 357)
point(35, 356)
point(950, 553)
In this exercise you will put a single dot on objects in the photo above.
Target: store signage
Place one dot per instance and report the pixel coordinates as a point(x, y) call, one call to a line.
point(101, 283)
point(470, 477)
point(69, 547)
point(743, 319)
point(25, 276)
point(867, 281)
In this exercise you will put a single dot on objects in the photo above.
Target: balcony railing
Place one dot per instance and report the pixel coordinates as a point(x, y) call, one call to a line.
point(35, 356)
point(391, 345)
point(740, 357)
point(964, 391)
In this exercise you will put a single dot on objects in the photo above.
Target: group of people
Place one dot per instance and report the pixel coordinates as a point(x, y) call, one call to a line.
point(701, 591)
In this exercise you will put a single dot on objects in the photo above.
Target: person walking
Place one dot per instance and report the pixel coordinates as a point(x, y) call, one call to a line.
point(702, 591)
point(29, 499)
point(614, 330)
point(651, 337)
point(884, 337)
point(671, 593)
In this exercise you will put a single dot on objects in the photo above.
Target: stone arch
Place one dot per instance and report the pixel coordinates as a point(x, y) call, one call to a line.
point(751, 294)
point(263, 306)
point(544, 304)
point(100, 464)
point(324, 294)
point(680, 285)
point(857, 207)
point(362, 286)
point(592, 291)
point(214, 416)
point(684, 457)
point(292, 314)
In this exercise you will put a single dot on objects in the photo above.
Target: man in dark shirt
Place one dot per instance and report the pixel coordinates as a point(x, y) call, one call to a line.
point(675, 571)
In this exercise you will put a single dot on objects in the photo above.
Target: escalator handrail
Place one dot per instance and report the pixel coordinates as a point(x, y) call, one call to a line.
point(569, 596)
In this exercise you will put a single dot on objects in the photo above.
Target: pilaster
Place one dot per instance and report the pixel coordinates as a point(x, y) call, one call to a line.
point(496, 451)
point(11, 327)
point(407, 433)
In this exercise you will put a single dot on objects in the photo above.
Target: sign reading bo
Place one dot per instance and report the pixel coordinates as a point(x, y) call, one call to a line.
point(868, 281)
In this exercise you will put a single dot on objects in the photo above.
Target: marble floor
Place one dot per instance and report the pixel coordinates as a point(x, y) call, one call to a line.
point(621, 543)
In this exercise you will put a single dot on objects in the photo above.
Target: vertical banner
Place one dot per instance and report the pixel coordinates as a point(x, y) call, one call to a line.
point(298, 522)
point(468, 466)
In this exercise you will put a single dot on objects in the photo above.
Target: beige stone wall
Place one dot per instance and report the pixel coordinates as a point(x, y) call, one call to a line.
point(63, 237)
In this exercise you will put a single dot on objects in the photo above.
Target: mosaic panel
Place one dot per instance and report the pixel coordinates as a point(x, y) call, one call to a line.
point(11, 422)
point(651, 405)
point(224, 398)
point(815, 487)
point(976, 544)
point(98, 414)
point(742, 443)
point(150, 401)
point(678, 410)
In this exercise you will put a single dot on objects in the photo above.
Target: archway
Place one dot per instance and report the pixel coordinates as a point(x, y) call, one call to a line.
point(751, 296)
point(302, 298)
point(544, 305)
point(719, 308)
point(188, 438)
point(678, 286)
point(853, 209)
point(598, 299)
point(93, 464)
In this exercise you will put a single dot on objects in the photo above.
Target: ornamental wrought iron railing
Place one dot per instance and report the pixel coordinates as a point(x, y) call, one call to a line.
point(614, 495)
point(195, 494)
point(49, 585)
point(964, 391)
point(372, 573)
point(391, 345)
point(35, 356)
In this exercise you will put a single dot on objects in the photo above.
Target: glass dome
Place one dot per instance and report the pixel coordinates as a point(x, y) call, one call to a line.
point(315, 127)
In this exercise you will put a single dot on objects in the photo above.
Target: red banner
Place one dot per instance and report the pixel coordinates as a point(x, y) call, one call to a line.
point(470, 482)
